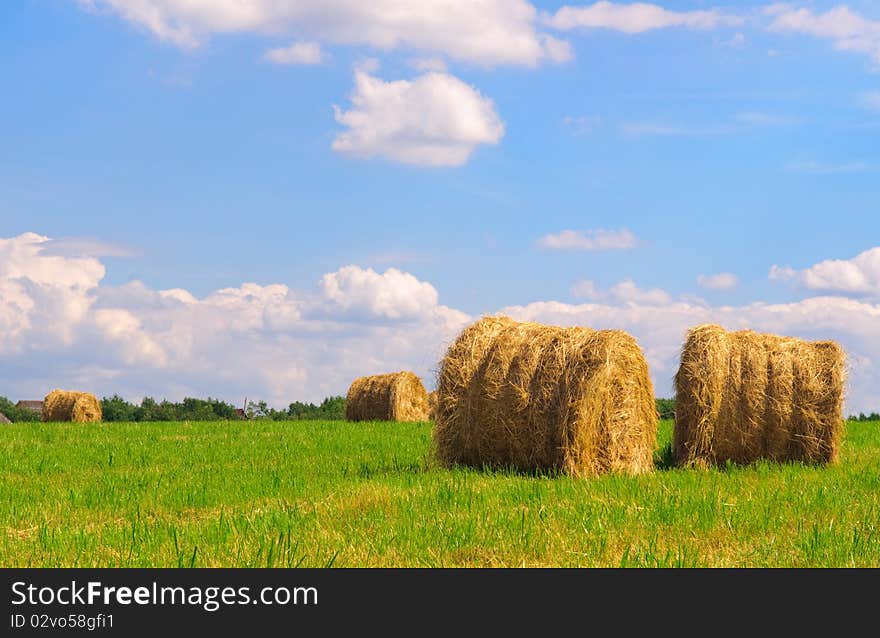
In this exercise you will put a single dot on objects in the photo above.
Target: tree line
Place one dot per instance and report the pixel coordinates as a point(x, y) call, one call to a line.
point(116, 408)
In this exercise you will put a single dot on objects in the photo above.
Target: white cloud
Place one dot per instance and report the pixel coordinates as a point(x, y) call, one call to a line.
point(297, 53)
point(782, 273)
point(593, 240)
point(587, 289)
point(719, 281)
point(635, 18)
point(353, 291)
point(489, 33)
point(43, 291)
point(429, 64)
point(624, 292)
point(847, 29)
point(555, 49)
point(60, 326)
point(628, 292)
point(859, 276)
point(432, 120)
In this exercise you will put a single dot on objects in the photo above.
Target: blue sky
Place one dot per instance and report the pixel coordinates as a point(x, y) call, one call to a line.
point(722, 139)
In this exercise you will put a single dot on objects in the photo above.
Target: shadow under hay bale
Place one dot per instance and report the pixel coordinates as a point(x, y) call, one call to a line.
point(744, 396)
point(399, 396)
point(536, 397)
point(78, 407)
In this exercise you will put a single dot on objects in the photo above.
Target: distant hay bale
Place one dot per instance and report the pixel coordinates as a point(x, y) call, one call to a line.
point(78, 407)
point(4, 418)
point(536, 397)
point(744, 396)
point(399, 396)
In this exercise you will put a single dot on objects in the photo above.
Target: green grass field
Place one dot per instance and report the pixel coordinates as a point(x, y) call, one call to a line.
point(319, 494)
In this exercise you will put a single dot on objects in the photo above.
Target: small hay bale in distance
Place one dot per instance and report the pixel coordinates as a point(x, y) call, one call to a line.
point(535, 397)
point(399, 396)
point(744, 396)
point(77, 407)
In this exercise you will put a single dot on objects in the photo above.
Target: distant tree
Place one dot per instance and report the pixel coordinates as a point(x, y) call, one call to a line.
point(116, 408)
point(666, 408)
point(191, 409)
point(331, 409)
point(258, 410)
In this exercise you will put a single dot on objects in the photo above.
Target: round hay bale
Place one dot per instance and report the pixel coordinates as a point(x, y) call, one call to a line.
point(744, 396)
point(399, 396)
point(78, 407)
point(536, 397)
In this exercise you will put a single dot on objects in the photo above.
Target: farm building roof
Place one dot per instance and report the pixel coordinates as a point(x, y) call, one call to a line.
point(36, 406)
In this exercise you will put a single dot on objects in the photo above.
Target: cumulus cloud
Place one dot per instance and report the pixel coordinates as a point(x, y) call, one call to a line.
point(847, 29)
point(489, 33)
point(781, 273)
point(635, 18)
point(587, 289)
point(719, 281)
point(391, 295)
point(429, 64)
point(624, 292)
point(859, 276)
point(593, 240)
point(296, 53)
point(628, 292)
point(43, 290)
point(61, 325)
point(432, 120)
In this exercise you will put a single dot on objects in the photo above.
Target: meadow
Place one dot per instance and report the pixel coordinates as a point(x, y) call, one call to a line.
point(316, 494)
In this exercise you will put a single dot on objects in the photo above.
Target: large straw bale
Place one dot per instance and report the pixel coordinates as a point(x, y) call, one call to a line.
point(744, 396)
point(536, 397)
point(79, 407)
point(399, 396)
